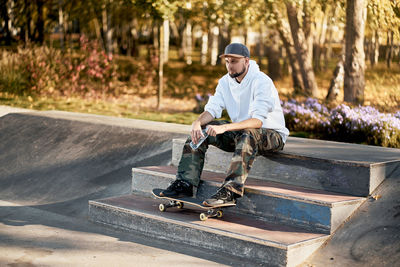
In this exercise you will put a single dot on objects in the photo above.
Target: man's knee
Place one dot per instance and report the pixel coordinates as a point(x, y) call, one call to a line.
point(272, 142)
point(246, 140)
point(249, 134)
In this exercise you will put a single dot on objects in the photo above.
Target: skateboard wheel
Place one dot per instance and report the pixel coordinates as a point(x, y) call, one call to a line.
point(220, 214)
point(161, 207)
point(203, 217)
point(179, 205)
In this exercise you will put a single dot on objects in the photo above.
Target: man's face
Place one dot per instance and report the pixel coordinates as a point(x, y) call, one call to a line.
point(236, 66)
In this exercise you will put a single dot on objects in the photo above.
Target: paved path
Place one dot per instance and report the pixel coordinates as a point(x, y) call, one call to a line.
point(4, 110)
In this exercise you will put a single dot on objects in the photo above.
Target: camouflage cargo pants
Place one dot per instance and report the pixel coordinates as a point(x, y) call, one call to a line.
point(246, 145)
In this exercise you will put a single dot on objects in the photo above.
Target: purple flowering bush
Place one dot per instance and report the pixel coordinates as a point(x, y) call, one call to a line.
point(309, 116)
point(363, 124)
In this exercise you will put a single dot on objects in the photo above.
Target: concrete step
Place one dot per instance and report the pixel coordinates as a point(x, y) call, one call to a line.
point(332, 166)
point(241, 236)
point(311, 209)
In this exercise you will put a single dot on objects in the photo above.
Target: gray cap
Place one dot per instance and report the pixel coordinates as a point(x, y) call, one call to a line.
point(236, 50)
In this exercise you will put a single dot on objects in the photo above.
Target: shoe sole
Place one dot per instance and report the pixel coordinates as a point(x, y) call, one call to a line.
point(230, 203)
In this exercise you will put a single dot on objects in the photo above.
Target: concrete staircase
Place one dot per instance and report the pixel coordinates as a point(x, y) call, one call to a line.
point(293, 202)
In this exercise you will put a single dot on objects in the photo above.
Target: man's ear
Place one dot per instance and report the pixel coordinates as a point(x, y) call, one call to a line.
point(247, 61)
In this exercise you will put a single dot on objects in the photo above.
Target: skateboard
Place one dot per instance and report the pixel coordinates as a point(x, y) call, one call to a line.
point(214, 211)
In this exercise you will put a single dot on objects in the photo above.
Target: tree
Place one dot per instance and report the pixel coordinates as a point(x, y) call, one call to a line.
point(336, 81)
point(166, 9)
point(278, 22)
point(337, 14)
point(302, 45)
point(187, 38)
point(354, 67)
point(382, 21)
point(274, 67)
point(4, 9)
point(324, 18)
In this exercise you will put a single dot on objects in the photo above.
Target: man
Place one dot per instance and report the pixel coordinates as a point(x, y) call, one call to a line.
point(257, 127)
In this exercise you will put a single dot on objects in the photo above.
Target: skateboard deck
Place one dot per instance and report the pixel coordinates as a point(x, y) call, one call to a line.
point(214, 211)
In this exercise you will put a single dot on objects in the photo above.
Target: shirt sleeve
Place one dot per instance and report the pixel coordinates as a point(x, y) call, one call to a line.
point(216, 103)
point(263, 101)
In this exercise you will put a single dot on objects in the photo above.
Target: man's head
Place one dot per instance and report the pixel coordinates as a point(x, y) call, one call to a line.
point(237, 60)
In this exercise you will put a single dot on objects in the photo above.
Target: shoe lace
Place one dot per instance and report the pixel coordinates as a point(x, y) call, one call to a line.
point(175, 185)
point(221, 193)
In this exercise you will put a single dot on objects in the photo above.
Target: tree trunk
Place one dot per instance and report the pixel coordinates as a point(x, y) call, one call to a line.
point(152, 49)
point(204, 47)
point(161, 57)
point(166, 39)
point(290, 51)
point(104, 24)
point(389, 48)
point(156, 36)
point(297, 78)
point(294, 65)
point(179, 34)
point(327, 55)
point(107, 31)
point(375, 49)
point(247, 36)
point(354, 67)
point(40, 21)
point(214, 45)
point(4, 14)
point(337, 81)
point(321, 40)
point(307, 29)
point(224, 40)
point(188, 40)
point(302, 52)
point(273, 55)
point(96, 25)
point(261, 51)
point(67, 37)
point(61, 24)
point(28, 12)
point(134, 44)
point(182, 56)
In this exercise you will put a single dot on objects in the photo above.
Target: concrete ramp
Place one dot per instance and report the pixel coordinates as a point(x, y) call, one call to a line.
point(60, 162)
point(52, 163)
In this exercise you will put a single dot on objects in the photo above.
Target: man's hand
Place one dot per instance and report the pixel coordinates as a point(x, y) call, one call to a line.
point(196, 133)
point(213, 130)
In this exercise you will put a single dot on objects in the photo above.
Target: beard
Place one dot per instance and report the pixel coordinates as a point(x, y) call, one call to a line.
point(237, 74)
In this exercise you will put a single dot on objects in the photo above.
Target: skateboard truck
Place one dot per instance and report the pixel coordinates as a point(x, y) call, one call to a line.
point(171, 204)
point(212, 212)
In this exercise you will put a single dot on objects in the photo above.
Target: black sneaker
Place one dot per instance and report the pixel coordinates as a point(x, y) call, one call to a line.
point(223, 196)
point(177, 189)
